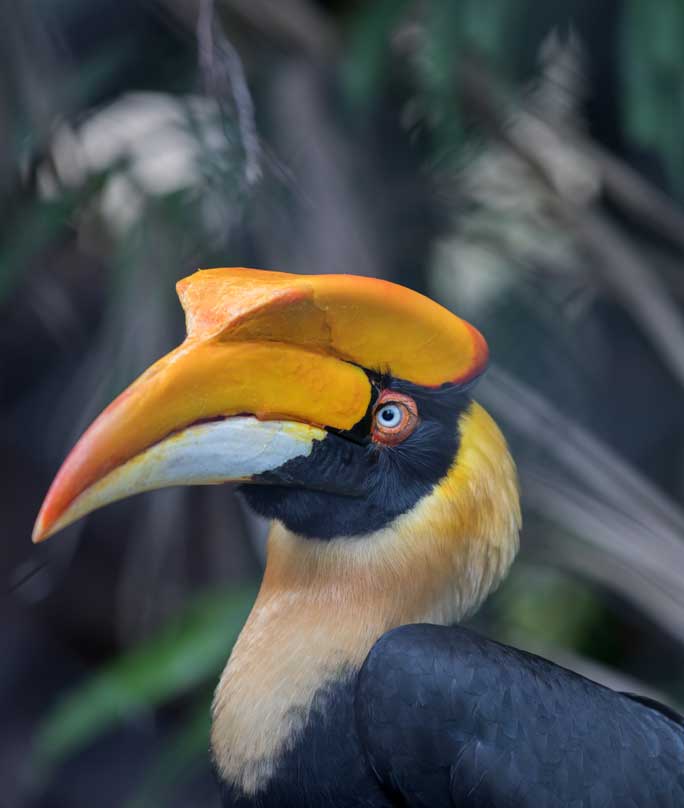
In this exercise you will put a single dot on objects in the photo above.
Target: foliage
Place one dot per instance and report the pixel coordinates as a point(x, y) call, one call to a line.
point(365, 71)
point(184, 750)
point(187, 653)
point(653, 81)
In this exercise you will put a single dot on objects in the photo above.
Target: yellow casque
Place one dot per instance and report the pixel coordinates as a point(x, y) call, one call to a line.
point(275, 346)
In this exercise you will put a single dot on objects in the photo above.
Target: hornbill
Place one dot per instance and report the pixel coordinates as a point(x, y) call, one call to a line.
point(342, 406)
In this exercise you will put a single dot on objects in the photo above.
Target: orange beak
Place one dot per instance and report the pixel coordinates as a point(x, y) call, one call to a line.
point(270, 361)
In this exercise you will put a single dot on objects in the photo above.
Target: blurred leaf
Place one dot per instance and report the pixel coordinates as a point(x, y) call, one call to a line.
point(365, 70)
point(178, 756)
point(453, 30)
point(652, 67)
point(38, 224)
point(548, 605)
point(189, 651)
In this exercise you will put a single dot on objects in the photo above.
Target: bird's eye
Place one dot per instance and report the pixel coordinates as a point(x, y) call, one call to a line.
point(390, 415)
point(395, 417)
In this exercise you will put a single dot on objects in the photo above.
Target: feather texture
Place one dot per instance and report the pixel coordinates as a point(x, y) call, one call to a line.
point(450, 718)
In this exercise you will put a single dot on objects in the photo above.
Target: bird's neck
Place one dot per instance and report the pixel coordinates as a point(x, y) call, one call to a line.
point(323, 604)
point(311, 625)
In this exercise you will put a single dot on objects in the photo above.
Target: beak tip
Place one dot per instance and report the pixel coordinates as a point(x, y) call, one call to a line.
point(39, 534)
point(42, 529)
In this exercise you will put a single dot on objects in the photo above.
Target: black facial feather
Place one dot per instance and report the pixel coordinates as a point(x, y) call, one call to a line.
point(350, 486)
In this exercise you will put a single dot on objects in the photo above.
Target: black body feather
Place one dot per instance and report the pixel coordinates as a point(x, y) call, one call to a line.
point(327, 767)
point(449, 718)
point(444, 717)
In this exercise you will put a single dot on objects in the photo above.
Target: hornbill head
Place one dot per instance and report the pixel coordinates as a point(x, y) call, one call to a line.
point(340, 404)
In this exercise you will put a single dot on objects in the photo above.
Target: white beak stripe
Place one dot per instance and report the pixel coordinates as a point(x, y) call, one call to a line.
point(230, 450)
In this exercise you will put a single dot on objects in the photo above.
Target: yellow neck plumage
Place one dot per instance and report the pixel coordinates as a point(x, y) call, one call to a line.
point(323, 604)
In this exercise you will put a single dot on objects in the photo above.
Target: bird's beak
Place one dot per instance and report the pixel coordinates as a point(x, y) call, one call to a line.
point(270, 362)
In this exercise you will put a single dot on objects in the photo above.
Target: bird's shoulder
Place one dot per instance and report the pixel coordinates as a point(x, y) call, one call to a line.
point(448, 716)
point(653, 704)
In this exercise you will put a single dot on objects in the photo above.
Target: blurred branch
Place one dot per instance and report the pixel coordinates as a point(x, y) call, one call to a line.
point(630, 532)
point(221, 66)
point(538, 143)
point(607, 546)
point(580, 452)
point(491, 102)
point(639, 288)
point(636, 195)
point(335, 224)
point(295, 23)
point(24, 573)
point(615, 574)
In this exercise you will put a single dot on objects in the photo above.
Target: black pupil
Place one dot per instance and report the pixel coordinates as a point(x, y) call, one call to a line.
point(388, 414)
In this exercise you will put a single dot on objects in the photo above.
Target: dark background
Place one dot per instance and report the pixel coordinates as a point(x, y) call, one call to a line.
point(523, 163)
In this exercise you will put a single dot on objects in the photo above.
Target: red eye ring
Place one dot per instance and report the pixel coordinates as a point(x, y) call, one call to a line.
point(395, 417)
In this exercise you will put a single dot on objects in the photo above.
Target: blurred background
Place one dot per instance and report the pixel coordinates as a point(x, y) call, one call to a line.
point(523, 163)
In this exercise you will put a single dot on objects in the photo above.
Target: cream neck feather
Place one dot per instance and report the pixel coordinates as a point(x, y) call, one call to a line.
point(323, 604)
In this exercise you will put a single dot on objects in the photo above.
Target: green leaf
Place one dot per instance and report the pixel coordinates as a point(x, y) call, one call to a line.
point(364, 71)
point(547, 605)
point(652, 72)
point(452, 31)
point(191, 650)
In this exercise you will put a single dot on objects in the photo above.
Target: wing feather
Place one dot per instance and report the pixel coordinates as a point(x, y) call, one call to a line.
point(449, 718)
